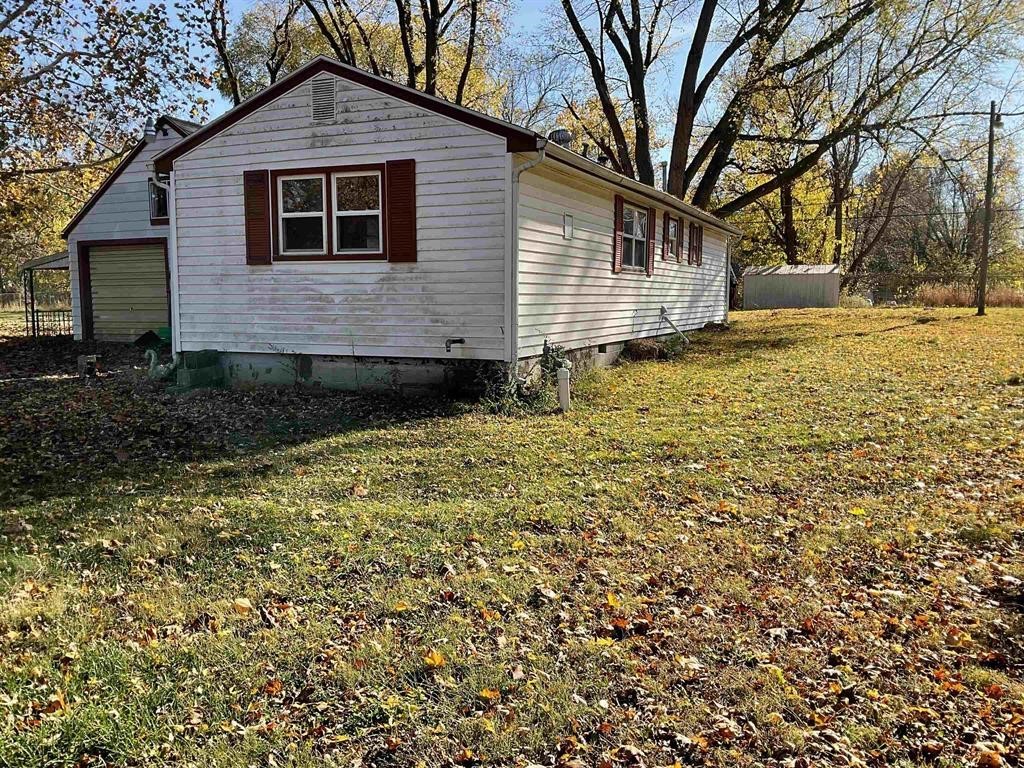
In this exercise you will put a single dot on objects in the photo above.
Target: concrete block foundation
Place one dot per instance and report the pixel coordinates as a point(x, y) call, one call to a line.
point(395, 375)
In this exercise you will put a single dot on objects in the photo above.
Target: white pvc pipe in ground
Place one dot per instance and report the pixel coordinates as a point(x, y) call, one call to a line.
point(563, 389)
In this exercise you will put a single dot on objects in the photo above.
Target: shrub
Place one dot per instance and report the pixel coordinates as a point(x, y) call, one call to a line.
point(502, 392)
point(667, 348)
point(639, 350)
point(854, 301)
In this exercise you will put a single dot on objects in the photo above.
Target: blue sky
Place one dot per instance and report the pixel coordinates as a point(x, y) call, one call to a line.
point(526, 18)
point(529, 17)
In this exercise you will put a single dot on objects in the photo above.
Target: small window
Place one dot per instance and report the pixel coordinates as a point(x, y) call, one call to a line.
point(673, 236)
point(357, 219)
point(634, 237)
point(157, 201)
point(567, 226)
point(302, 219)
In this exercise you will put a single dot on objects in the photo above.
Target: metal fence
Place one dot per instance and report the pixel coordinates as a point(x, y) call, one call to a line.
point(52, 299)
point(49, 322)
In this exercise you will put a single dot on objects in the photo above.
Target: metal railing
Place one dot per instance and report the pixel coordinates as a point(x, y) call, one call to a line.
point(50, 322)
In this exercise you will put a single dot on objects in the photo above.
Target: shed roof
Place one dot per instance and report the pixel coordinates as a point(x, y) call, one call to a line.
point(52, 261)
point(803, 270)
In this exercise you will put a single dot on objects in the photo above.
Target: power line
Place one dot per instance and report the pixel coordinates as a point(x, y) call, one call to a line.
point(828, 217)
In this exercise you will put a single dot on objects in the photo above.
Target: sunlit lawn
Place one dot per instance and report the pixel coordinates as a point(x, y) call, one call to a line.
point(800, 542)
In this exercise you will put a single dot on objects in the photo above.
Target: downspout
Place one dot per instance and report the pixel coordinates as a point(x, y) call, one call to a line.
point(514, 297)
point(172, 264)
point(728, 276)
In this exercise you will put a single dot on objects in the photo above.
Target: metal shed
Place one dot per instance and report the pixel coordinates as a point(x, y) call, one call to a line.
point(791, 286)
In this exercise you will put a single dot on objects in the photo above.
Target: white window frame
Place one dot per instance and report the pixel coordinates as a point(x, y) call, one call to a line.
point(632, 238)
point(379, 212)
point(673, 242)
point(152, 200)
point(282, 215)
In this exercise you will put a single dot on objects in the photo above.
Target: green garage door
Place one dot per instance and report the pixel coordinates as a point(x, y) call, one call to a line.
point(129, 291)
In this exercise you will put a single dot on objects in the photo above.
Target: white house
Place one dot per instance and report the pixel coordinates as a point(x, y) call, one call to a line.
point(339, 227)
point(117, 244)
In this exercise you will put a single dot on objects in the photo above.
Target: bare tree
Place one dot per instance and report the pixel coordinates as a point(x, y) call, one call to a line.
point(217, 24)
point(742, 57)
point(638, 33)
point(432, 33)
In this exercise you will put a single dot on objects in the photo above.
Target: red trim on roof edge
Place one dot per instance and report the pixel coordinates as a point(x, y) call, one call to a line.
point(118, 170)
point(516, 139)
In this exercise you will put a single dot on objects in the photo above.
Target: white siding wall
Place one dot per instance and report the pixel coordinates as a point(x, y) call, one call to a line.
point(567, 291)
point(455, 289)
point(121, 213)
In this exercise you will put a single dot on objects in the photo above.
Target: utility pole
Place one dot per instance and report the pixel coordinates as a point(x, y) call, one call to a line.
point(994, 120)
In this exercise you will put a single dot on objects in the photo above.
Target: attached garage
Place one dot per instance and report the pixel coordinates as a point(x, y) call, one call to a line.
point(125, 287)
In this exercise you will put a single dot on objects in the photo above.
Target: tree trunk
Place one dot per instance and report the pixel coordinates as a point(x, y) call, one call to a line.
point(839, 201)
point(431, 27)
point(687, 109)
point(791, 245)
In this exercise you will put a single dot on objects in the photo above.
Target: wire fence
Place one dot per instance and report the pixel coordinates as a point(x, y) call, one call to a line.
point(45, 299)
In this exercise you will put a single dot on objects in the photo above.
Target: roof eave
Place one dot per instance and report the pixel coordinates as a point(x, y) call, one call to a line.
point(114, 174)
point(517, 139)
point(587, 166)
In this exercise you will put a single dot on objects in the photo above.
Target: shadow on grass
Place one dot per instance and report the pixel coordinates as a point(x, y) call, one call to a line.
point(62, 435)
point(921, 320)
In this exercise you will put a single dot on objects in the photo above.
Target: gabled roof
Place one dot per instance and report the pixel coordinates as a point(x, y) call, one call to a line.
point(517, 139)
point(181, 127)
point(184, 127)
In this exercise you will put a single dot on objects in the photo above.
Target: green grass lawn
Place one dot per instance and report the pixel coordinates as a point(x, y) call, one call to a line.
point(800, 544)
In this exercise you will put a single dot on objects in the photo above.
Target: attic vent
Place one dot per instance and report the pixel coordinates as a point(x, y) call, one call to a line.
point(323, 99)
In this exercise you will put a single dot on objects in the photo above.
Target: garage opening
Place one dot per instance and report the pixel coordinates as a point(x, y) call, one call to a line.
point(127, 289)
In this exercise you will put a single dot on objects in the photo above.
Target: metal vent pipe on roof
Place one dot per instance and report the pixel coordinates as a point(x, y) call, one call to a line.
point(561, 137)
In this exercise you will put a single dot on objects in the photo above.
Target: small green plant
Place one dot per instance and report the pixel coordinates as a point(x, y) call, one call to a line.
point(501, 391)
point(552, 358)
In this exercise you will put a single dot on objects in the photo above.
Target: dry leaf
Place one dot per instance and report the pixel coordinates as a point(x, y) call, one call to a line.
point(242, 606)
point(434, 660)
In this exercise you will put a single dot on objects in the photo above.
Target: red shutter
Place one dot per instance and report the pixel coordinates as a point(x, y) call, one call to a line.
point(679, 240)
point(664, 236)
point(401, 210)
point(691, 252)
point(652, 236)
point(700, 245)
point(617, 237)
point(256, 193)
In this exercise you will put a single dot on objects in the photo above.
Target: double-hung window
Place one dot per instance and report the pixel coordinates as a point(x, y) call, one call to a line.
point(157, 203)
point(302, 214)
point(634, 237)
point(357, 212)
point(673, 237)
